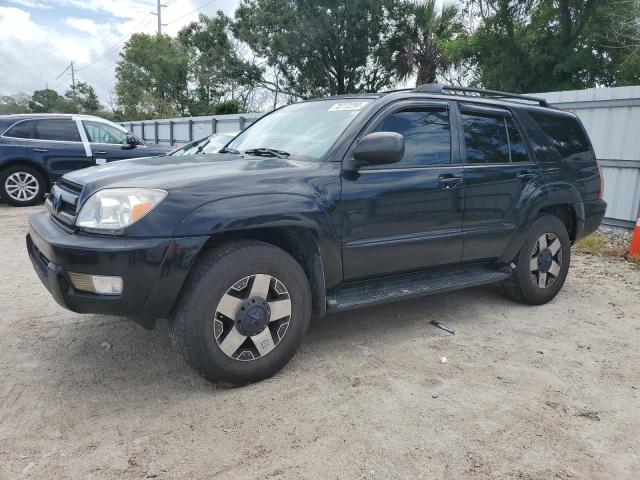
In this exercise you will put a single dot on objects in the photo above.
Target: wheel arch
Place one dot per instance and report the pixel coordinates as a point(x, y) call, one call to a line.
point(301, 243)
point(562, 200)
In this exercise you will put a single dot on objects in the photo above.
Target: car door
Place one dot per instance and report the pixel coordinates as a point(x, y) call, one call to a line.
point(109, 142)
point(57, 145)
point(406, 216)
point(499, 177)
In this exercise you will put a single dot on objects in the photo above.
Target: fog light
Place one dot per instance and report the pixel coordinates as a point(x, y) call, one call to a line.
point(98, 284)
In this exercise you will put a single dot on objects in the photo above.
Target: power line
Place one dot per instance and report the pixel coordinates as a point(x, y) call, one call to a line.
point(193, 11)
point(117, 44)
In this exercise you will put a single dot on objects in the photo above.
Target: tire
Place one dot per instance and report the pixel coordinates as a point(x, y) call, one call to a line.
point(223, 285)
point(526, 283)
point(22, 186)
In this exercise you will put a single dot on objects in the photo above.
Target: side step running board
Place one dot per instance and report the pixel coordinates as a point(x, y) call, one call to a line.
point(381, 290)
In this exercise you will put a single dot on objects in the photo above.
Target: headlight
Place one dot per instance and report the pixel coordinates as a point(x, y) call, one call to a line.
point(116, 208)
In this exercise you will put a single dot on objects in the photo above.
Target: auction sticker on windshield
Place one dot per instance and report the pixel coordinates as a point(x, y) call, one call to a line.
point(347, 106)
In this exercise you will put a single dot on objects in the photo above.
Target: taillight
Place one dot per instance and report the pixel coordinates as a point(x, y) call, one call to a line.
point(601, 192)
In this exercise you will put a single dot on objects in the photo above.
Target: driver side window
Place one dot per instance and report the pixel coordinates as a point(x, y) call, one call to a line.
point(98, 132)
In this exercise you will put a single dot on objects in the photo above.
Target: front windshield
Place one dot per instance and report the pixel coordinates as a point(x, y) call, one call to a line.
point(305, 129)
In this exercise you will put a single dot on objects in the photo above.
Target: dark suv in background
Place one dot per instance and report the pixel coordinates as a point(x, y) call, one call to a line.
point(325, 205)
point(37, 149)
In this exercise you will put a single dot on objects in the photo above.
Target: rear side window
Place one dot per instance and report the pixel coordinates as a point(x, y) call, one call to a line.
point(485, 138)
point(61, 130)
point(492, 139)
point(21, 130)
point(563, 132)
point(427, 136)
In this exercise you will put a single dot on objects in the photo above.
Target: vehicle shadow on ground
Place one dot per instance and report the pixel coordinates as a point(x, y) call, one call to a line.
point(98, 357)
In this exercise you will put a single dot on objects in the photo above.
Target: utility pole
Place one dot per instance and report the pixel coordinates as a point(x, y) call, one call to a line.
point(73, 77)
point(159, 7)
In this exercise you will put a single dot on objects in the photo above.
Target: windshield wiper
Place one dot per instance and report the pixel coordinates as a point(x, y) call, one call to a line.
point(229, 150)
point(272, 152)
point(202, 145)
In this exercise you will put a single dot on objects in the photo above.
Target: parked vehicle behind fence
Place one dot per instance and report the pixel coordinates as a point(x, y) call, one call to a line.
point(37, 149)
point(325, 205)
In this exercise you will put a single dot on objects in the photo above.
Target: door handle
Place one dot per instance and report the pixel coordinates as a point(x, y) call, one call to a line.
point(526, 175)
point(42, 150)
point(448, 180)
point(99, 153)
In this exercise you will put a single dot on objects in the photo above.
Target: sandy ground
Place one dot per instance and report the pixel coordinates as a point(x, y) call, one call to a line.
point(549, 392)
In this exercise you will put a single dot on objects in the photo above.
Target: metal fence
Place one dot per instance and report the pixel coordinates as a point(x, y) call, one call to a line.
point(178, 131)
point(610, 115)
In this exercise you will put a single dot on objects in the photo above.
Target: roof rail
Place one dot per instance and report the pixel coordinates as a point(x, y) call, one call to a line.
point(440, 89)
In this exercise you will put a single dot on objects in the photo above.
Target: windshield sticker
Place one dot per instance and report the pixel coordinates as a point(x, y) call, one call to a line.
point(348, 106)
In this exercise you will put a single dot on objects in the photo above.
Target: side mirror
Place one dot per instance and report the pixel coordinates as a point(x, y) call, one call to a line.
point(378, 148)
point(131, 141)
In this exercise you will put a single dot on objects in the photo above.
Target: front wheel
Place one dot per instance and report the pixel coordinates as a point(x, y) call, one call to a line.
point(243, 312)
point(22, 186)
point(542, 263)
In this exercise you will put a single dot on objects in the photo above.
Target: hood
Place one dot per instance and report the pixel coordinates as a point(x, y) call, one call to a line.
point(201, 178)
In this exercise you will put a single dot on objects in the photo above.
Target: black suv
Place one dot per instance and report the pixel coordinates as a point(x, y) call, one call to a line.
point(324, 205)
point(37, 149)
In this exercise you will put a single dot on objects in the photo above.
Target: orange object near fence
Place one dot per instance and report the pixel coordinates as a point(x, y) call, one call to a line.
point(634, 249)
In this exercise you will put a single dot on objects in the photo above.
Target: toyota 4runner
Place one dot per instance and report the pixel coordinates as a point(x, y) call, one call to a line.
point(323, 206)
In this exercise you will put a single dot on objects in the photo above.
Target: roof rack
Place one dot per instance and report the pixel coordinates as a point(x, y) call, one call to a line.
point(441, 89)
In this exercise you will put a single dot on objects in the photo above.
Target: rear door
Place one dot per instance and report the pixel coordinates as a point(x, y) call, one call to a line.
point(499, 174)
point(57, 145)
point(406, 216)
point(109, 142)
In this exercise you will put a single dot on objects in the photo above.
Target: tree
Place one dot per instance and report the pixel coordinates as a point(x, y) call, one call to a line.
point(14, 104)
point(217, 70)
point(49, 101)
point(417, 45)
point(543, 45)
point(321, 47)
point(152, 77)
point(83, 99)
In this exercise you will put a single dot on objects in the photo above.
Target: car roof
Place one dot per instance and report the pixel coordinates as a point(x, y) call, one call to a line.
point(461, 94)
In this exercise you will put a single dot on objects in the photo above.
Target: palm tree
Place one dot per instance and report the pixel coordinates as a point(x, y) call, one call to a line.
point(416, 49)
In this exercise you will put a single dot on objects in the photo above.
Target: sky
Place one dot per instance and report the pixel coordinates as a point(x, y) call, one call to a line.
point(39, 38)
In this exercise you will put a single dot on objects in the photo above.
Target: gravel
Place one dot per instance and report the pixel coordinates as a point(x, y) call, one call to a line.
point(526, 393)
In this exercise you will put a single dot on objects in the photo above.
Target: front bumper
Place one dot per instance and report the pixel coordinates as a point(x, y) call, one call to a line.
point(152, 269)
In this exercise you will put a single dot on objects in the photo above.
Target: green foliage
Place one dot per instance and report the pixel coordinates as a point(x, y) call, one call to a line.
point(216, 68)
point(49, 101)
point(418, 44)
point(14, 104)
point(82, 98)
point(152, 77)
point(542, 45)
point(322, 47)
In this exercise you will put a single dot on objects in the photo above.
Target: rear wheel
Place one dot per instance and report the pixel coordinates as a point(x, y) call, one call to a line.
point(22, 186)
point(243, 313)
point(542, 263)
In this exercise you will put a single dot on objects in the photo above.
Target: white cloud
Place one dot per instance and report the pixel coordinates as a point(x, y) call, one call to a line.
point(35, 49)
point(83, 24)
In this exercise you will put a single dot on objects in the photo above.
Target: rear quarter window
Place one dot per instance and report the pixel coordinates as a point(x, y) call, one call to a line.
point(21, 130)
point(563, 133)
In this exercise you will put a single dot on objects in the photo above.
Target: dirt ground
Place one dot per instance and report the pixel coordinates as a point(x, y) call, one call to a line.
point(549, 392)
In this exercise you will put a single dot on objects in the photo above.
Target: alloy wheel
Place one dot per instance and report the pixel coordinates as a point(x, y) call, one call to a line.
point(22, 186)
point(546, 260)
point(252, 317)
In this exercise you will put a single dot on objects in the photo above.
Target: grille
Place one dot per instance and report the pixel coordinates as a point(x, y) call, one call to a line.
point(69, 193)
